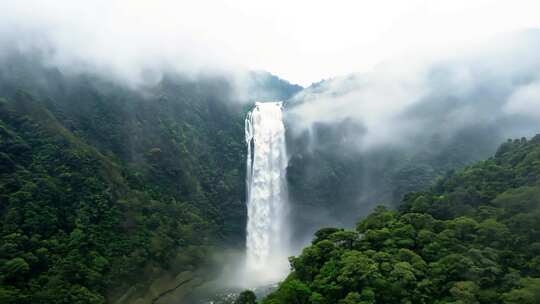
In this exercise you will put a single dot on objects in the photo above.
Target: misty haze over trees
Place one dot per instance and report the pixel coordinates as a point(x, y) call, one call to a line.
point(123, 160)
point(364, 140)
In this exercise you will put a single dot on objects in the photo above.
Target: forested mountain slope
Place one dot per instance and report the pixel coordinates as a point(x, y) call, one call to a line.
point(72, 228)
point(104, 187)
point(368, 138)
point(474, 237)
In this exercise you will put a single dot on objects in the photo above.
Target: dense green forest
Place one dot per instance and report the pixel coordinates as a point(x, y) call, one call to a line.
point(105, 188)
point(474, 237)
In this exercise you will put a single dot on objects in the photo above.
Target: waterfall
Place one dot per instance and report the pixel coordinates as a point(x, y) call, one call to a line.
point(266, 242)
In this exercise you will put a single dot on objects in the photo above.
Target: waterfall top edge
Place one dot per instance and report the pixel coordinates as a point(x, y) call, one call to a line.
point(267, 103)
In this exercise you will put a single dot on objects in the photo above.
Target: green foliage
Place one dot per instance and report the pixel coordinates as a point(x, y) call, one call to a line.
point(104, 187)
point(80, 218)
point(471, 239)
point(246, 297)
point(527, 292)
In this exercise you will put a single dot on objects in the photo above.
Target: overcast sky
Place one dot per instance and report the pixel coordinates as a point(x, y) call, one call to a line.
point(301, 41)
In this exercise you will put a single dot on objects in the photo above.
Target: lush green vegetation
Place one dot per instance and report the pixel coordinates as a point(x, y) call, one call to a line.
point(104, 188)
point(246, 297)
point(474, 237)
point(71, 226)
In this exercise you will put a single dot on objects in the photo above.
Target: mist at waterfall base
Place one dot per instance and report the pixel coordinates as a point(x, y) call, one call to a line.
point(264, 261)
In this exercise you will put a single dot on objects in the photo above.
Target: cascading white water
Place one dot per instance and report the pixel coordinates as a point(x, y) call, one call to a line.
point(266, 243)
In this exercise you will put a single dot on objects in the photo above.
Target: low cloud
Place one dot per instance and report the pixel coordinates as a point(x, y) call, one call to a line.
point(134, 42)
point(399, 103)
point(525, 101)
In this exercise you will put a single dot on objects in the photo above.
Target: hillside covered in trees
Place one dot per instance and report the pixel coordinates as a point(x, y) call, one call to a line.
point(474, 237)
point(105, 188)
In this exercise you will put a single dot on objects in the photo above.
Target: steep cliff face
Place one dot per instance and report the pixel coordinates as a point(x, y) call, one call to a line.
point(332, 183)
